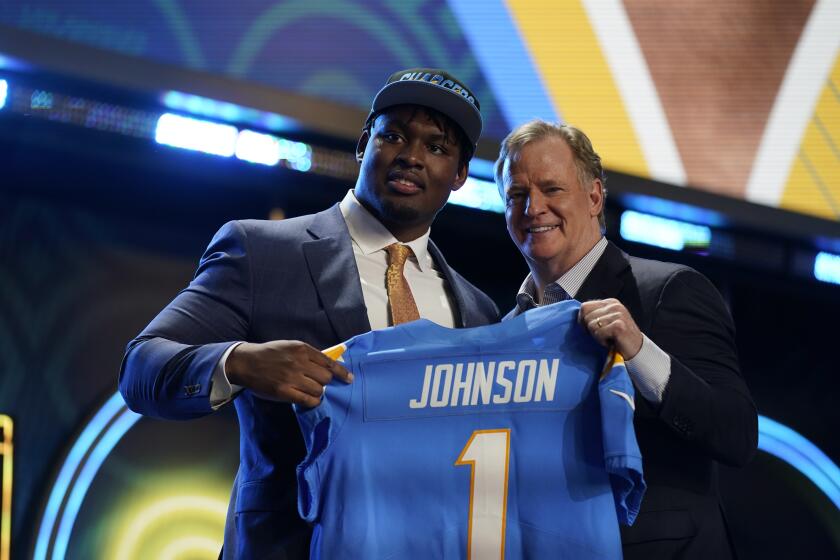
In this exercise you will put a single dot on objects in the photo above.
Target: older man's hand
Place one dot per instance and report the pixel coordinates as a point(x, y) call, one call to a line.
point(611, 325)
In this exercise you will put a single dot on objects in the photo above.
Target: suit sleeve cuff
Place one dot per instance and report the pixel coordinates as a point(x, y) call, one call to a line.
point(222, 390)
point(650, 370)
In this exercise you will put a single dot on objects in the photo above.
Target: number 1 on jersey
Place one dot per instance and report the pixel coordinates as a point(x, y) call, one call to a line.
point(5, 486)
point(488, 453)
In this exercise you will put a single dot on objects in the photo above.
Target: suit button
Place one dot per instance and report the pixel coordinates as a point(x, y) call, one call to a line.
point(682, 425)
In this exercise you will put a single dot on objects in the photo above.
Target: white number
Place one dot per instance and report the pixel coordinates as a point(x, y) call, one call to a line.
point(488, 453)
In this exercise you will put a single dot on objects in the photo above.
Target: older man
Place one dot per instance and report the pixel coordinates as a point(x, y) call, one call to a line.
point(317, 280)
point(667, 320)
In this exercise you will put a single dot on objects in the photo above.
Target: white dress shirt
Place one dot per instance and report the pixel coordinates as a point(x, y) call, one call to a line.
point(370, 237)
point(428, 286)
point(650, 369)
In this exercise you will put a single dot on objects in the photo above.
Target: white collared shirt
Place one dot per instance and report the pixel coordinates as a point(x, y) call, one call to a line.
point(370, 237)
point(571, 281)
point(650, 369)
point(427, 283)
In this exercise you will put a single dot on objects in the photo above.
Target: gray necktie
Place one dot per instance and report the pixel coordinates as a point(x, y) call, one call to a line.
point(552, 294)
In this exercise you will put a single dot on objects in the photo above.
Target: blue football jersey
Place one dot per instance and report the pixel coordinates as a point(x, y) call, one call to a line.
point(510, 440)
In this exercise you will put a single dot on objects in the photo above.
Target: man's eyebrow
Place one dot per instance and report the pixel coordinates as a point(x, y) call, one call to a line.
point(441, 136)
point(391, 123)
point(448, 138)
point(550, 182)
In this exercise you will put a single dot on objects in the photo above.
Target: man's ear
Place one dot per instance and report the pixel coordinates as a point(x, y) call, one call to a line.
point(361, 145)
point(596, 198)
point(462, 175)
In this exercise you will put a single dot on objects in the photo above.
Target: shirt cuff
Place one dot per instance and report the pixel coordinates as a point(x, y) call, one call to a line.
point(222, 390)
point(650, 370)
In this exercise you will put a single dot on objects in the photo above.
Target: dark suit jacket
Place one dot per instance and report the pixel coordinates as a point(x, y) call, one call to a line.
point(260, 281)
point(706, 415)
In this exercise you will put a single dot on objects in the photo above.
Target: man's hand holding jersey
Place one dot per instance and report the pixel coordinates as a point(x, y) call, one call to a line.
point(284, 370)
point(609, 322)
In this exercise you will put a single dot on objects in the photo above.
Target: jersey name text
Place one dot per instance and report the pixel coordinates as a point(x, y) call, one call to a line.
point(485, 383)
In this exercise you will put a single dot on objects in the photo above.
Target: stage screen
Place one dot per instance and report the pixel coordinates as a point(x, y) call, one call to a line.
point(741, 99)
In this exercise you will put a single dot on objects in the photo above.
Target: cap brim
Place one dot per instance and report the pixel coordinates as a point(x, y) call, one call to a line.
point(462, 112)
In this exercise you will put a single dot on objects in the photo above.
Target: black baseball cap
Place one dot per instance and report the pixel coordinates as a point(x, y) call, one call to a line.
point(435, 88)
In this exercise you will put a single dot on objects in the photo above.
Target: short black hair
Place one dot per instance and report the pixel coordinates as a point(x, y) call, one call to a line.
point(446, 124)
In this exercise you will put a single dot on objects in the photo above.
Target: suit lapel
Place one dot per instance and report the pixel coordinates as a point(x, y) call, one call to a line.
point(611, 278)
point(333, 269)
point(607, 277)
point(457, 293)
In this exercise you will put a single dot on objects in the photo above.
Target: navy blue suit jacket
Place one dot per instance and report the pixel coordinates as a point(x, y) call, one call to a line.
point(260, 281)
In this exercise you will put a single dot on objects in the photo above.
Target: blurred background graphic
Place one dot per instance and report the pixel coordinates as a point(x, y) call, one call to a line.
point(130, 131)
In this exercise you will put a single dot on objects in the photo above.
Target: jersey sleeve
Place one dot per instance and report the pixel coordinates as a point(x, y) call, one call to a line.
point(622, 457)
point(319, 426)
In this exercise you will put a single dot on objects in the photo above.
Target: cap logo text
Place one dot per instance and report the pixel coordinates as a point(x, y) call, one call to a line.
point(438, 80)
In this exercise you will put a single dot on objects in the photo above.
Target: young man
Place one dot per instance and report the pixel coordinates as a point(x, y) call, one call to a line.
point(667, 320)
point(268, 295)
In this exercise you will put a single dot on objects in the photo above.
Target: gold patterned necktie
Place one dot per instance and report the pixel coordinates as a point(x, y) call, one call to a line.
point(400, 300)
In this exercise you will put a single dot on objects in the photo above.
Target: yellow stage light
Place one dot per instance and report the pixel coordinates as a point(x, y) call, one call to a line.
point(172, 526)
